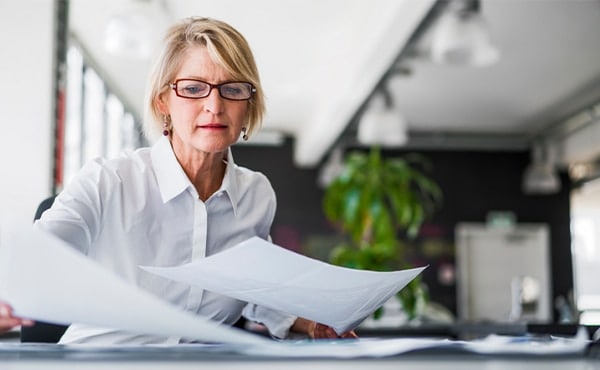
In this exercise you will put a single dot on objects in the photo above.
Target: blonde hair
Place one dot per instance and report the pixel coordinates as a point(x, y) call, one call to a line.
point(226, 46)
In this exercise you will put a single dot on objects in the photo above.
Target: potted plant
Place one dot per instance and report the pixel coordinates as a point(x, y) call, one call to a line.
point(374, 201)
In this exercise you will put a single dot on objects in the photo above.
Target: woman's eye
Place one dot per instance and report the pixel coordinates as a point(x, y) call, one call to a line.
point(194, 90)
point(231, 90)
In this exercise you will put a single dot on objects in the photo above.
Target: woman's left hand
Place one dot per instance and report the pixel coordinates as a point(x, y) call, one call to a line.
point(317, 330)
point(321, 331)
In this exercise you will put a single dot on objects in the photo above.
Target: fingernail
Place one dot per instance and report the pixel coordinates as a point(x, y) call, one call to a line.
point(4, 311)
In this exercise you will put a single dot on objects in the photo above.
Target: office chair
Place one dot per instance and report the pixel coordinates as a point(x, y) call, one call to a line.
point(42, 331)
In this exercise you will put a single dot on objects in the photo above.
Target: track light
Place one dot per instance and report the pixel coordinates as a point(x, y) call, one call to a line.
point(381, 123)
point(461, 36)
point(541, 176)
point(131, 33)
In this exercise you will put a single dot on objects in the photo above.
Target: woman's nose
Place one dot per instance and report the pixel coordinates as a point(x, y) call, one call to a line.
point(213, 102)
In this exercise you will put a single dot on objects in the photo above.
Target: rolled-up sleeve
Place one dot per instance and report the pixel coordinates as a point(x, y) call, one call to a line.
point(277, 322)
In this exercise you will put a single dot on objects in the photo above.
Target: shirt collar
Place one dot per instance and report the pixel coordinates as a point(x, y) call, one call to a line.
point(230, 185)
point(172, 180)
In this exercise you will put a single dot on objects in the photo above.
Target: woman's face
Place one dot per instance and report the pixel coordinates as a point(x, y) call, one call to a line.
point(209, 124)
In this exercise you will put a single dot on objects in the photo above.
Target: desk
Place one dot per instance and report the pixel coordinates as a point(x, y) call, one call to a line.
point(15, 356)
point(177, 358)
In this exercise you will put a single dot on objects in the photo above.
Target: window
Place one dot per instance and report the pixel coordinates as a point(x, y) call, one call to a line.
point(97, 123)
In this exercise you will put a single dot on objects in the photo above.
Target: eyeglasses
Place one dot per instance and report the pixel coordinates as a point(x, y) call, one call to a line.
point(197, 89)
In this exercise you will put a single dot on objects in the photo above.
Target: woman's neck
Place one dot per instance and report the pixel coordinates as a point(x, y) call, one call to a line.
point(205, 170)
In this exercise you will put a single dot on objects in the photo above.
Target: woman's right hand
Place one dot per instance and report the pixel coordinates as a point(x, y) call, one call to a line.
point(8, 321)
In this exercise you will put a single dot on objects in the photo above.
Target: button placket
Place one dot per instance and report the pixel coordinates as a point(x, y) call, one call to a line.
point(198, 250)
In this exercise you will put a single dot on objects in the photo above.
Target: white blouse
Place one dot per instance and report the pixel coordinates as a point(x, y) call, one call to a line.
point(141, 209)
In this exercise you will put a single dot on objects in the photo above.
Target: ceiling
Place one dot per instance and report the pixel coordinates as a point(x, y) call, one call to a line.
point(320, 61)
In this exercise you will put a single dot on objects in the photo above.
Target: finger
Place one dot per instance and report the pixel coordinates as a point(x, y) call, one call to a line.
point(349, 335)
point(8, 323)
point(324, 332)
point(5, 310)
point(27, 322)
point(318, 331)
point(321, 331)
point(330, 333)
point(7, 320)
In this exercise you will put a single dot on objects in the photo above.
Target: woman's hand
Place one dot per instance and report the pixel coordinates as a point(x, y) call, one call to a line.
point(317, 330)
point(322, 331)
point(8, 321)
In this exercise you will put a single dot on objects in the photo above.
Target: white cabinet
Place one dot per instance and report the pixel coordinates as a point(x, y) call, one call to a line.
point(503, 273)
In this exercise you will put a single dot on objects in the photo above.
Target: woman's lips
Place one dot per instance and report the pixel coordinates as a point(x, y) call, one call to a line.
point(212, 126)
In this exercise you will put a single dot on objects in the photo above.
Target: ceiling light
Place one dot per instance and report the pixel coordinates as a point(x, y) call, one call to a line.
point(382, 124)
point(541, 176)
point(130, 33)
point(462, 37)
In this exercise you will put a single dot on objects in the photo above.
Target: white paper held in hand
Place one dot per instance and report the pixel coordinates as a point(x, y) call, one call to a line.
point(45, 279)
point(268, 275)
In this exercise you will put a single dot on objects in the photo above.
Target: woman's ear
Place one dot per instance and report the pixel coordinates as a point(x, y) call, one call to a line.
point(161, 105)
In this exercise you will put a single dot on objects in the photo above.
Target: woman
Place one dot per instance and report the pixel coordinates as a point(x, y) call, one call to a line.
point(184, 198)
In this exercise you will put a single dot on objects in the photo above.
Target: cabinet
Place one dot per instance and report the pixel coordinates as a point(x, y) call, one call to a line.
point(503, 273)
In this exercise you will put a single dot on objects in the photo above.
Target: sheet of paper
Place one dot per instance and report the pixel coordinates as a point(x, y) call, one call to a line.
point(530, 344)
point(271, 276)
point(366, 348)
point(45, 279)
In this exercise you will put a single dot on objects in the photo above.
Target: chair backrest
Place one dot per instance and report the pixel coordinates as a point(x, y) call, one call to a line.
point(42, 331)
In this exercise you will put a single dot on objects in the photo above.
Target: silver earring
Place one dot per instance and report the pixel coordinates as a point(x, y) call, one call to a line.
point(245, 136)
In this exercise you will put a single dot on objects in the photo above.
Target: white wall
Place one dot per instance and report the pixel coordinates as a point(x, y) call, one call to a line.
point(26, 103)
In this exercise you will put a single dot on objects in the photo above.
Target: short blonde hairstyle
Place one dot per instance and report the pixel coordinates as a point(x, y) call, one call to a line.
point(226, 46)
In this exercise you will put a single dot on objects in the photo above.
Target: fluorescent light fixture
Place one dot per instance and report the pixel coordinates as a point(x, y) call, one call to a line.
point(130, 33)
point(462, 37)
point(541, 176)
point(385, 128)
point(382, 124)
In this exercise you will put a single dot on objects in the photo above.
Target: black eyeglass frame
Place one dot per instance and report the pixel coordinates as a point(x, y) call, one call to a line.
point(173, 86)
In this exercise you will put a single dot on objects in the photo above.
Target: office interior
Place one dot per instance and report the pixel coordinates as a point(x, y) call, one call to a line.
point(532, 99)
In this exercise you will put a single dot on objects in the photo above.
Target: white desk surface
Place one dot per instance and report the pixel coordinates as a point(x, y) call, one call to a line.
point(412, 362)
point(173, 358)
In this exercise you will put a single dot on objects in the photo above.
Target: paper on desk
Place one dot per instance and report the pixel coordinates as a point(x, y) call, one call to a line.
point(260, 272)
point(45, 279)
point(530, 344)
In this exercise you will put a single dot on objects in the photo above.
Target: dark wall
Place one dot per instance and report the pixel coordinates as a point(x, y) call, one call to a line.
point(473, 184)
point(299, 217)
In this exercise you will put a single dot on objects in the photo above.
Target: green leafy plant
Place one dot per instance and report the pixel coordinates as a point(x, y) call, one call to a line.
point(374, 201)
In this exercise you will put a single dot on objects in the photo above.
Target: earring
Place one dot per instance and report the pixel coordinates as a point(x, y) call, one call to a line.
point(245, 136)
point(165, 126)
